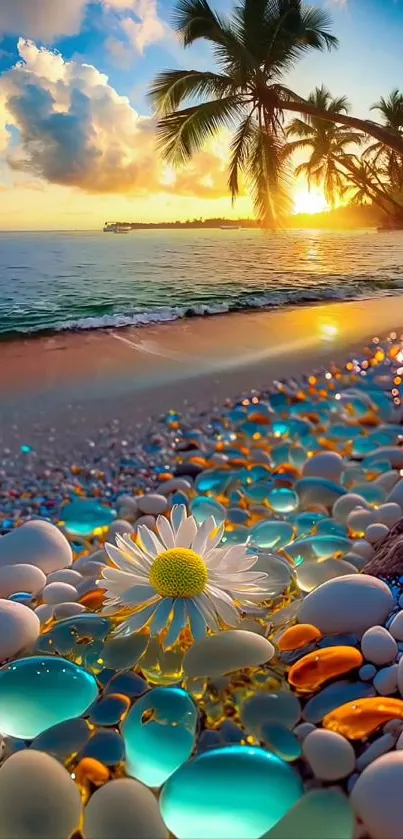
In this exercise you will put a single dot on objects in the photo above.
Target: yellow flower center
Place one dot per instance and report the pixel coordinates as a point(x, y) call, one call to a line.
point(179, 572)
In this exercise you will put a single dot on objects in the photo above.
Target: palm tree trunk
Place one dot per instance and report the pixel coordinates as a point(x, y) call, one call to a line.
point(380, 197)
point(365, 126)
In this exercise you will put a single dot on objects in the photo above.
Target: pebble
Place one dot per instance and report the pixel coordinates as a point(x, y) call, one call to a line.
point(379, 747)
point(376, 797)
point(359, 520)
point(19, 629)
point(346, 504)
point(375, 532)
point(378, 646)
point(38, 798)
point(396, 627)
point(66, 575)
point(15, 578)
point(327, 465)
point(148, 521)
point(396, 494)
point(312, 574)
point(216, 655)
point(67, 610)
point(366, 602)
point(303, 729)
point(330, 755)
point(363, 548)
point(44, 612)
point(152, 504)
point(319, 814)
point(367, 672)
point(174, 485)
point(36, 543)
point(119, 526)
point(59, 593)
point(123, 809)
point(385, 681)
point(389, 514)
point(274, 707)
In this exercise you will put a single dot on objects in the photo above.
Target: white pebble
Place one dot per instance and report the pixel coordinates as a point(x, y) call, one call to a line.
point(385, 681)
point(346, 504)
point(359, 520)
point(378, 646)
point(396, 627)
point(127, 507)
point(389, 514)
point(375, 532)
point(394, 727)
point(396, 494)
point(149, 522)
point(399, 744)
point(327, 465)
point(38, 798)
point(119, 526)
point(68, 610)
point(15, 578)
point(400, 677)
point(152, 504)
point(379, 747)
point(363, 548)
point(66, 575)
point(359, 562)
point(44, 612)
point(37, 543)
point(19, 629)
point(303, 729)
point(377, 797)
point(59, 593)
point(388, 480)
point(92, 569)
point(330, 755)
point(121, 809)
point(175, 484)
point(348, 604)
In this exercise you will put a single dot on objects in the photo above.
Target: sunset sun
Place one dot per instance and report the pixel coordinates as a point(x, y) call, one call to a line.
point(309, 201)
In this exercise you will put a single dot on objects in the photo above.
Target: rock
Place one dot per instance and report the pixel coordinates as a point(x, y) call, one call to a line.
point(127, 507)
point(388, 479)
point(319, 814)
point(346, 504)
point(400, 677)
point(324, 465)
point(119, 526)
point(359, 520)
point(375, 532)
point(388, 558)
point(367, 672)
point(59, 593)
point(149, 522)
point(174, 485)
point(15, 578)
point(396, 627)
point(66, 575)
point(225, 652)
point(396, 494)
point(38, 798)
point(358, 561)
point(123, 808)
point(389, 514)
point(330, 756)
point(379, 747)
point(376, 797)
point(67, 610)
point(364, 549)
point(348, 604)
point(378, 646)
point(92, 569)
point(303, 729)
point(385, 681)
point(36, 543)
point(19, 628)
point(279, 707)
point(313, 574)
point(44, 612)
point(152, 504)
point(394, 454)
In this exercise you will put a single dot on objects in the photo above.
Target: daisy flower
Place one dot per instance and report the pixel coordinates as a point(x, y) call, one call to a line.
point(180, 577)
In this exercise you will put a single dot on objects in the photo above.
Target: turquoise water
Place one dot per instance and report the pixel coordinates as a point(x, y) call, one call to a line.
point(69, 280)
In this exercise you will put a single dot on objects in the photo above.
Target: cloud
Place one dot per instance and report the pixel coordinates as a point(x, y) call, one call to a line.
point(147, 28)
point(42, 19)
point(74, 129)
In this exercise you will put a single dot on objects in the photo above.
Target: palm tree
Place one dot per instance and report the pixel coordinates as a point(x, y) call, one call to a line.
point(254, 47)
point(327, 143)
point(391, 110)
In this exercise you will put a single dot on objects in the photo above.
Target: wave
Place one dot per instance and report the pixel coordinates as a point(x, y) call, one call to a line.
point(166, 314)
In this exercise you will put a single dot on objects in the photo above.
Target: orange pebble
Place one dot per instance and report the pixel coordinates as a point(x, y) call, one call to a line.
point(91, 771)
point(93, 599)
point(299, 636)
point(311, 671)
point(362, 717)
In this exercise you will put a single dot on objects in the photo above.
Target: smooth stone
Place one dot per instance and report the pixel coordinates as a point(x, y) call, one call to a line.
point(235, 649)
point(123, 809)
point(55, 593)
point(283, 500)
point(281, 741)
point(388, 479)
point(313, 491)
point(44, 612)
point(36, 543)
point(152, 504)
point(317, 547)
point(98, 556)
point(159, 734)
point(66, 575)
point(366, 602)
point(127, 683)
point(312, 574)
point(109, 710)
point(118, 527)
point(68, 610)
point(148, 521)
point(345, 505)
point(126, 506)
point(392, 453)
point(385, 681)
point(92, 569)
point(39, 692)
point(395, 496)
point(174, 485)
point(366, 673)
point(303, 729)
point(319, 814)
point(332, 696)
point(122, 653)
point(364, 549)
point(359, 562)
point(19, 629)
point(359, 520)
point(324, 465)
point(14, 578)
point(396, 627)
point(379, 747)
point(64, 739)
point(376, 797)
point(400, 676)
point(277, 707)
point(202, 508)
point(107, 746)
point(375, 532)
point(272, 534)
point(38, 798)
point(378, 646)
point(389, 514)
point(278, 569)
point(84, 516)
point(243, 790)
point(330, 756)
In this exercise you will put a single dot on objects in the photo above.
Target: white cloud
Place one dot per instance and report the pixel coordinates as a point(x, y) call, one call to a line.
point(148, 28)
point(74, 129)
point(42, 19)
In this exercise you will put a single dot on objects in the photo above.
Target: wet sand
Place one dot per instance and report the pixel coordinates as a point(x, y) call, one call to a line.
point(77, 383)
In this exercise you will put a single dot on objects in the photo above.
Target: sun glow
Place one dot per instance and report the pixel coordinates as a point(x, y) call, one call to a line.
point(309, 201)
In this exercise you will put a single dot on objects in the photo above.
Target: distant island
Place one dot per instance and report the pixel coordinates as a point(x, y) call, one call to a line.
point(348, 217)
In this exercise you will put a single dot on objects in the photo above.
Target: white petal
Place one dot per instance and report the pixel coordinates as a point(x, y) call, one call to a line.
point(124, 578)
point(130, 548)
point(224, 605)
point(177, 623)
point(198, 625)
point(247, 577)
point(186, 533)
point(136, 621)
point(149, 541)
point(213, 558)
point(161, 616)
point(199, 542)
point(208, 611)
point(165, 532)
point(257, 595)
point(137, 595)
point(236, 554)
point(125, 561)
point(215, 538)
point(178, 515)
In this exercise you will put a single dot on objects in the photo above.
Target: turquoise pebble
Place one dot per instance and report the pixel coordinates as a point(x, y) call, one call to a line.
point(272, 534)
point(234, 792)
point(159, 734)
point(64, 739)
point(202, 508)
point(257, 493)
point(236, 515)
point(239, 536)
point(333, 696)
point(372, 493)
point(84, 515)
point(39, 692)
point(106, 746)
point(213, 480)
point(329, 527)
point(283, 500)
point(129, 684)
point(317, 548)
point(275, 707)
point(281, 741)
point(319, 814)
point(318, 491)
point(109, 710)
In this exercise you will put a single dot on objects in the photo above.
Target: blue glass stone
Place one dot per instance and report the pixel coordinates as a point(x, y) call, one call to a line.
point(281, 428)
point(202, 508)
point(239, 536)
point(25, 449)
point(107, 746)
point(317, 547)
point(159, 734)
point(235, 792)
point(213, 480)
point(39, 692)
point(305, 523)
point(281, 741)
point(283, 500)
point(236, 515)
point(63, 740)
point(318, 491)
point(343, 432)
point(333, 696)
point(272, 534)
point(84, 515)
point(109, 710)
point(21, 597)
point(330, 527)
point(128, 683)
point(180, 498)
point(362, 446)
point(373, 493)
point(254, 474)
point(258, 493)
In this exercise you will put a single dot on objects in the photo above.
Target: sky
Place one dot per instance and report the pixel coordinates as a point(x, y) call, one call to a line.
point(77, 136)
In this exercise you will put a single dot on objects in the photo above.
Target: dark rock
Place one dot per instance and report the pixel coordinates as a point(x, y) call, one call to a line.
point(388, 560)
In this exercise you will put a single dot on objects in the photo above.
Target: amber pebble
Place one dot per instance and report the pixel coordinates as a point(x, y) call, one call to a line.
point(299, 636)
point(360, 718)
point(91, 771)
point(313, 670)
point(93, 599)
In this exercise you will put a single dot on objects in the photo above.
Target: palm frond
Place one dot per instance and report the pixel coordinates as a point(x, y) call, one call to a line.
point(267, 176)
point(317, 25)
point(173, 87)
point(196, 20)
point(299, 128)
point(240, 151)
point(182, 133)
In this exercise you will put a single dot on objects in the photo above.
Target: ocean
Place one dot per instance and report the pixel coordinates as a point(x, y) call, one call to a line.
point(54, 281)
